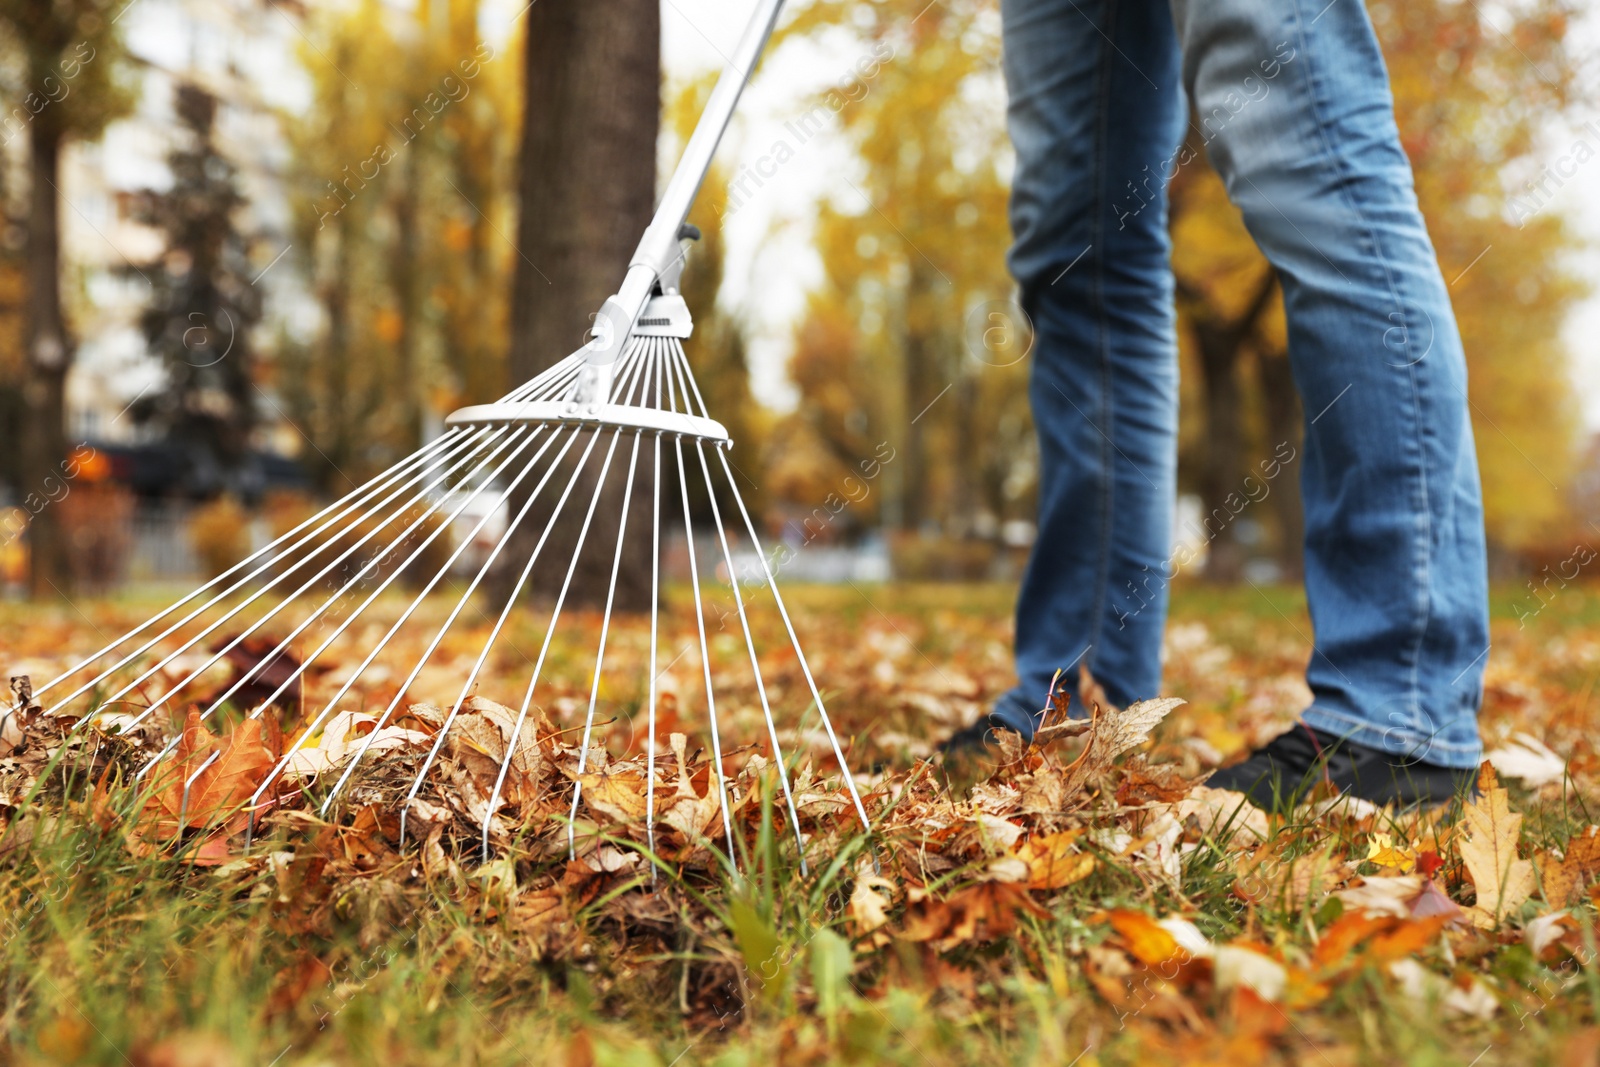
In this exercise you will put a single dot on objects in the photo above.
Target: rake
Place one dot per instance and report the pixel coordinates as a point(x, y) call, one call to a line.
point(626, 399)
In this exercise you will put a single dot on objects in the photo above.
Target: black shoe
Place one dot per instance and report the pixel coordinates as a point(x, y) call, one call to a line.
point(974, 739)
point(1281, 773)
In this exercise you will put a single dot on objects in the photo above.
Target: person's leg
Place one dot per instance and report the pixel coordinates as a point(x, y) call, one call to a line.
point(1293, 98)
point(1096, 114)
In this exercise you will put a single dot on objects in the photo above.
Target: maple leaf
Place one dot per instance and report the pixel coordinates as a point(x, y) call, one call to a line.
point(1489, 851)
point(616, 794)
point(224, 775)
point(1054, 861)
point(1113, 732)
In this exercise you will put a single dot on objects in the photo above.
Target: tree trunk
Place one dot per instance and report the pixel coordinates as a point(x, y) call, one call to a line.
point(1223, 494)
point(1284, 426)
point(587, 185)
point(49, 355)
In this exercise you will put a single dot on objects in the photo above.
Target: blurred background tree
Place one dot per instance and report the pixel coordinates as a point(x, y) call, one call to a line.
point(911, 339)
point(202, 310)
point(402, 176)
point(60, 62)
point(1471, 101)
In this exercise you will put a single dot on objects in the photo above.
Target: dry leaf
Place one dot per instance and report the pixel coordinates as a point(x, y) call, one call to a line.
point(869, 908)
point(1529, 759)
point(1489, 851)
point(1054, 861)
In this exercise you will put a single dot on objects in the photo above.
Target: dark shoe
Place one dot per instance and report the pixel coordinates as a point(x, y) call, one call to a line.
point(1281, 773)
point(972, 740)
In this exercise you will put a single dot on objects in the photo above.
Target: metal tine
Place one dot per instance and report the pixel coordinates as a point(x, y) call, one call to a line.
point(460, 605)
point(648, 352)
point(755, 664)
point(629, 367)
point(443, 629)
point(372, 597)
point(168, 748)
point(343, 506)
point(516, 591)
point(705, 657)
point(329, 516)
point(505, 613)
point(313, 580)
point(544, 648)
point(805, 668)
point(600, 654)
point(655, 611)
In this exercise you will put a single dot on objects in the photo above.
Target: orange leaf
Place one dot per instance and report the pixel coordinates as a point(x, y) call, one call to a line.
point(1345, 934)
point(1147, 941)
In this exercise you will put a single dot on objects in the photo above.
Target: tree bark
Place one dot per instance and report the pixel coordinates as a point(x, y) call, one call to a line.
point(49, 356)
point(587, 185)
point(1284, 426)
point(1221, 345)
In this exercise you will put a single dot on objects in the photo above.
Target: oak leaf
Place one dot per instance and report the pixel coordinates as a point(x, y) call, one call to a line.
point(1489, 851)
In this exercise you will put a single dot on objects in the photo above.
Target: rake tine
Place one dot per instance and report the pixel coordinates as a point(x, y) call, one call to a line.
point(638, 359)
point(805, 668)
point(755, 665)
point(461, 603)
point(360, 575)
point(344, 507)
point(454, 555)
point(705, 659)
point(329, 516)
point(350, 681)
point(544, 647)
point(600, 655)
point(303, 666)
point(655, 612)
point(527, 571)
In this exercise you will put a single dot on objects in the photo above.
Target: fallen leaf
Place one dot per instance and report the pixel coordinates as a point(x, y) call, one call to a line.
point(1054, 860)
point(1382, 895)
point(1528, 759)
point(1489, 851)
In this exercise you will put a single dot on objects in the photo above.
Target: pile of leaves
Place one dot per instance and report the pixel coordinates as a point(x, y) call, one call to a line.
point(1060, 827)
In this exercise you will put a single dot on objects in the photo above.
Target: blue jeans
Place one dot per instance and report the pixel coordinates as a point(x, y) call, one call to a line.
point(1293, 105)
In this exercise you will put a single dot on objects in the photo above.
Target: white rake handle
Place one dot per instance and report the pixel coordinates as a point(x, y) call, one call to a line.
point(658, 249)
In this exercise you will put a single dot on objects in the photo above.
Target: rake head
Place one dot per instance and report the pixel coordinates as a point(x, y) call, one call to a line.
point(280, 629)
point(283, 627)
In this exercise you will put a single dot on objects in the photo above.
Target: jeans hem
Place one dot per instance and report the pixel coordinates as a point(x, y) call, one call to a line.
point(1395, 740)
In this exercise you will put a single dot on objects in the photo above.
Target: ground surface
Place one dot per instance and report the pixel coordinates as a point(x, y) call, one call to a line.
point(1080, 900)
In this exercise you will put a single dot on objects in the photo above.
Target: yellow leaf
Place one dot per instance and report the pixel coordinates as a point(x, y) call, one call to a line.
point(1054, 861)
point(1489, 851)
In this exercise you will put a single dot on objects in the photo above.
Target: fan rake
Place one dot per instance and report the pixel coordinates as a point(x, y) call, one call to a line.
point(625, 405)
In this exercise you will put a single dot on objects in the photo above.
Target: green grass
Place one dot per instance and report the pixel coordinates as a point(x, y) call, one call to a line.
point(113, 958)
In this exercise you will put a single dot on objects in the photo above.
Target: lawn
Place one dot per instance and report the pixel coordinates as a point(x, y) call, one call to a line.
point(1063, 907)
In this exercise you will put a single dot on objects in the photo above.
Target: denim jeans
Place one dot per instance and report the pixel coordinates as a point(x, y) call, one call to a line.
point(1292, 102)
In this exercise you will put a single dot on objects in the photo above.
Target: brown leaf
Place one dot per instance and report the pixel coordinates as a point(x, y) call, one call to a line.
point(978, 913)
point(1489, 851)
point(1054, 860)
point(617, 795)
point(227, 782)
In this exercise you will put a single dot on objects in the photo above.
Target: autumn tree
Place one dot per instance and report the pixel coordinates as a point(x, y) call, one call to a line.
point(67, 88)
point(912, 340)
point(401, 179)
point(591, 115)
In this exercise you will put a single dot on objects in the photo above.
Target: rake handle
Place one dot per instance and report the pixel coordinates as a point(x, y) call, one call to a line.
point(658, 249)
